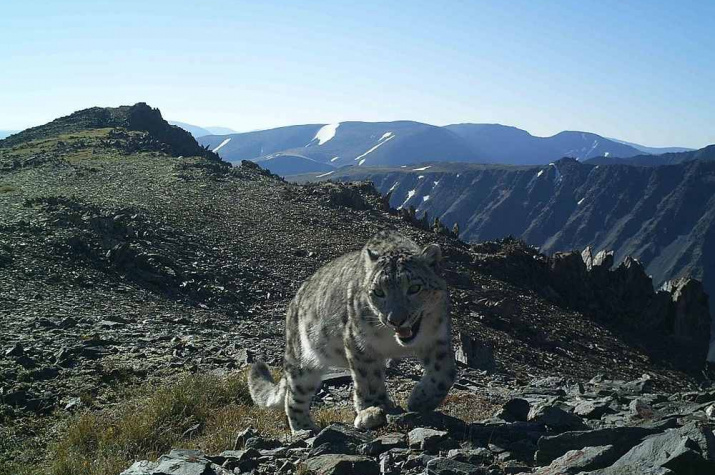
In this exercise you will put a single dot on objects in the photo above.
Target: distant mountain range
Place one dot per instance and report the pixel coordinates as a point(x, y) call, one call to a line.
point(326, 147)
point(654, 150)
point(197, 131)
point(707, 153)
point(662, 215)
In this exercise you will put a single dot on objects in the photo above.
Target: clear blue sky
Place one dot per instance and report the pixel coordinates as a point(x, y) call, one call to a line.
point(640, 70)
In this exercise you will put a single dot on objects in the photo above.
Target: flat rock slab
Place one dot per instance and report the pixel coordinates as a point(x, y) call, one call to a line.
point(392, 440)
point(446, 466)
point(143, 467)
point(338, 464)
point(582, 460)
point(182, 467)
point(674, 450)
point(622, 438)
point(477, 456)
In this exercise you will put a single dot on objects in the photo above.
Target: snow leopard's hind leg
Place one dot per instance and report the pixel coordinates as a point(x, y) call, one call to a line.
point(302, 384)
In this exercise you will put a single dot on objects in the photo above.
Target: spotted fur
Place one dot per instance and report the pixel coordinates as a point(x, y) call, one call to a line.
point(385, 301)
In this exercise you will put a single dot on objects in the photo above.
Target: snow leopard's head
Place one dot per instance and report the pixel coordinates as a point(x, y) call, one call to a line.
point(403, 285)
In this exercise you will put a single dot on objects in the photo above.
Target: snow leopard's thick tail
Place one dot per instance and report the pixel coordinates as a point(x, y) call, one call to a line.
point(265, 392)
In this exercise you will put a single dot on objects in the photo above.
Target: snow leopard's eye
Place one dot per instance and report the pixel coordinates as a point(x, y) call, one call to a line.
point(378, 293)
point(414, 288)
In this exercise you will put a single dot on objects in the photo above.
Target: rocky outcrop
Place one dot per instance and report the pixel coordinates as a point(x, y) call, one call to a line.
point(623, 296)
point(691, 312)
point(139, 117)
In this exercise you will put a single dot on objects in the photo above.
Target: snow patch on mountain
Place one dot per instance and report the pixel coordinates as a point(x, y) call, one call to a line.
point(325, 174)
point(421, 169)
point(381, 142)
point(221, 145)
point(326, 133)
point(557, 177)
point(334, 158)
point(593, 147)
point(410, 194)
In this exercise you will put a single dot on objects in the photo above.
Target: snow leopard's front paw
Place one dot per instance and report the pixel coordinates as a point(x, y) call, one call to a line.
point(422, 401)
point(370, 418)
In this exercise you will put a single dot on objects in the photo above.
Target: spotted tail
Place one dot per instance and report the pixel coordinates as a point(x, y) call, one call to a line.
point(265, 392)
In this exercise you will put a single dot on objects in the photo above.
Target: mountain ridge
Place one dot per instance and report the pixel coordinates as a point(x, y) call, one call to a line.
point(355, 143)
point(138, 117)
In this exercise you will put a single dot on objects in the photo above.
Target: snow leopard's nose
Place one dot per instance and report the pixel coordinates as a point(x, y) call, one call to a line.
point(396, 319)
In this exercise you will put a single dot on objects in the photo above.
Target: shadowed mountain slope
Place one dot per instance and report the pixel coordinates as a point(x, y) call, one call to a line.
point(664, 216)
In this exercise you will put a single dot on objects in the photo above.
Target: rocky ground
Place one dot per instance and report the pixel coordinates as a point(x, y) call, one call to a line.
point(550, 426)
point(123, 265)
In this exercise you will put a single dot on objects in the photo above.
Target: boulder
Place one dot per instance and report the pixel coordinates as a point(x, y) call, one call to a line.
point(392, 440)
point(555, 418)
point(426, 439)
point(338, 439)
point(674, 450)
point(576, 461)
point(593, 409)
point(516, 409)
point(245, 460)
point(475, 354)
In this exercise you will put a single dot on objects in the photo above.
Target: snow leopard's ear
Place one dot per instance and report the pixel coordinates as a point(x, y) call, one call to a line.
point(373, 256)
point(432, 254)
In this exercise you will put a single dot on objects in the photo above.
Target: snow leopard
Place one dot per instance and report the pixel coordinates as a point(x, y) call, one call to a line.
point(387, 300)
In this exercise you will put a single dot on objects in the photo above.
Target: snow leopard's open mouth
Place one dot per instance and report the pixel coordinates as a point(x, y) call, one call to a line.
point(406, 335)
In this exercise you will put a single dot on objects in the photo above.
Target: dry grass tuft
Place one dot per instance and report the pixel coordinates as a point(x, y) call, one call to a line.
point(468, 407)
point(199, 411)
